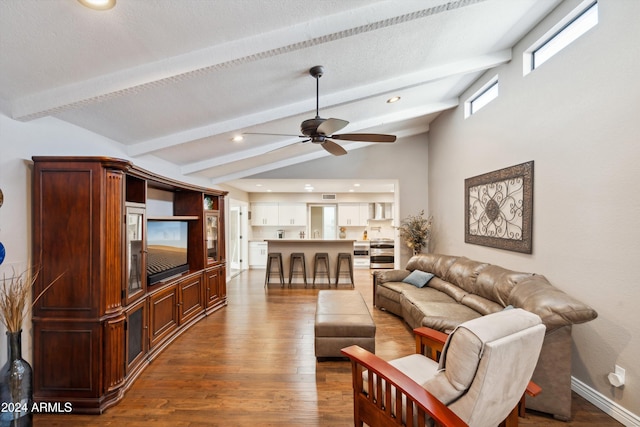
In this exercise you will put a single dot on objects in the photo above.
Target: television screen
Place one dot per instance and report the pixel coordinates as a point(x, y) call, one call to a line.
point(166, 249)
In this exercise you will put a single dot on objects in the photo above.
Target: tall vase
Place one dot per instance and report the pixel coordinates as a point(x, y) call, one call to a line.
point(16, 387)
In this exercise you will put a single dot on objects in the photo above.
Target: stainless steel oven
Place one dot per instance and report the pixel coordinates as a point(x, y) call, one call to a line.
point(361, 254)
point(381, 253)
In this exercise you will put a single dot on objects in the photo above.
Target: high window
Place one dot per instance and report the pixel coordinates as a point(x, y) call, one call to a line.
point(481, 98)
point(574, 25)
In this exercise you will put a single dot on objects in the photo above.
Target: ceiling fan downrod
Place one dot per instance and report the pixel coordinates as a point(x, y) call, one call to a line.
point(317, 72)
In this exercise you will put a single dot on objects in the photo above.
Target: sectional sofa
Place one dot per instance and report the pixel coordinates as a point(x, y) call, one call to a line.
point(458, 289)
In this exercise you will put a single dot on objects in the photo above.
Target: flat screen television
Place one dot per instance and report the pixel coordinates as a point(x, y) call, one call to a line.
point(166, 249)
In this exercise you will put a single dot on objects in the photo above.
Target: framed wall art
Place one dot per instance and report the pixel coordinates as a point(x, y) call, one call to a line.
point(499, 208)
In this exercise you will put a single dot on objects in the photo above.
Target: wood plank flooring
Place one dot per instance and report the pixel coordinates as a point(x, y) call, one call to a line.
point(252, 364)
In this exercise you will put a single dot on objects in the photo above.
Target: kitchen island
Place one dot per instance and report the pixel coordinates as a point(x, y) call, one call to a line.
point(310, 247)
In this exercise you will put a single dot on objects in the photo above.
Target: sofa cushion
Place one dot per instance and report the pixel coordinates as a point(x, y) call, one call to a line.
point(431, 263)
point(446, 323)
point(480, 304)
point(390, 276)
point(413, 302)
point(450, 289)
point(555, 308)
point(496, 283)
point(426, 295)
point(394, 288)
point(464, 272)
point(418, 278)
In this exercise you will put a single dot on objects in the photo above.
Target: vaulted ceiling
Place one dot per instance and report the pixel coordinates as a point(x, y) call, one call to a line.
point(179, 79)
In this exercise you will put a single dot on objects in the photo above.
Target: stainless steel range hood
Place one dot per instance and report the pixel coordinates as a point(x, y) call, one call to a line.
point(380, 211)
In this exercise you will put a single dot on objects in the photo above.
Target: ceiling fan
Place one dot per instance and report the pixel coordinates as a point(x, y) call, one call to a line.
point(321, 131)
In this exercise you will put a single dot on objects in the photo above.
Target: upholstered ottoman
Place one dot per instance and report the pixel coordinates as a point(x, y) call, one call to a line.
point(342, 320)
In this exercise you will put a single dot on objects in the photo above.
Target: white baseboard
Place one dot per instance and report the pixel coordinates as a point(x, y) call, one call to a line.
point(608, 406)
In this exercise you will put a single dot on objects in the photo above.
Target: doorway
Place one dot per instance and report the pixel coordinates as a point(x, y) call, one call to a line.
point(237, 241)
point(323, 221)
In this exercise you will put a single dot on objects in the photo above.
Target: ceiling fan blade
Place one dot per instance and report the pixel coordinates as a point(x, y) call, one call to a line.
point(333, 148)
point(330, 126)
point(369, 137)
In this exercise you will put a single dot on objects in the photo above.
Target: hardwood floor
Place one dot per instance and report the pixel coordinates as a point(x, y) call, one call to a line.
point(252, 364)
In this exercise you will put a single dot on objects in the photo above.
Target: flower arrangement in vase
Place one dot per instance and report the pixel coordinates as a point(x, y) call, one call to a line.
point(415, 231)
point(16, 387)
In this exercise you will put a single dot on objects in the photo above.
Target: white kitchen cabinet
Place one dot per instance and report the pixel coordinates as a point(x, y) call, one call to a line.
point(292, 214)
point(264, 214)
point(353, 214)
point(258, 254)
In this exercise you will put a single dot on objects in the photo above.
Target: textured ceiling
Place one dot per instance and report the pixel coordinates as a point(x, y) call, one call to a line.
point(179, 79)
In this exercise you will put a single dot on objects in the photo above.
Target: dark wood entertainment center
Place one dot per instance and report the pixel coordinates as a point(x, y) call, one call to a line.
point(101, 324)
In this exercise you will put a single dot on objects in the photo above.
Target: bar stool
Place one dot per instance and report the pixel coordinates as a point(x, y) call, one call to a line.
point(297, 256)
point(344, 257)
point(271, 257)
point(321, 257)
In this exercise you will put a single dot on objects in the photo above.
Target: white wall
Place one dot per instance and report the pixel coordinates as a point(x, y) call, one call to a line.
point(577, 118)
point(405, 161)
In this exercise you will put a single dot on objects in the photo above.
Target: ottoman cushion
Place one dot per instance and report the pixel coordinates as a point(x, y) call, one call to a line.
point(342, 319)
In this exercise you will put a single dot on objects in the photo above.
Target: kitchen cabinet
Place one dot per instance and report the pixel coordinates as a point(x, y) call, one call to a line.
point(353, 214)
point(258, 254)
point(292, 214)
point(264, 214)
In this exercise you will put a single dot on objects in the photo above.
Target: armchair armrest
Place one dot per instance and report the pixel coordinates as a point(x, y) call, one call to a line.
point(379, 405)
point(431, 339)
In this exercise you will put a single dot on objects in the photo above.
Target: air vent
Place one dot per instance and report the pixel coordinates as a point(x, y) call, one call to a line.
point(328, 197)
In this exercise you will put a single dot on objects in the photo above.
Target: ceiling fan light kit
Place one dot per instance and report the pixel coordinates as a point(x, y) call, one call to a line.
point(98, 4)
point(321, 131)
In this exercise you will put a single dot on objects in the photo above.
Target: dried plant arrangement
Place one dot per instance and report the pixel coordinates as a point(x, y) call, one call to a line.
point(15, 292)
point(415, 231)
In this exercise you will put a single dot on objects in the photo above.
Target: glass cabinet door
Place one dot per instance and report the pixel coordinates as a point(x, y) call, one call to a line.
point(211, 232)
point(135, 250)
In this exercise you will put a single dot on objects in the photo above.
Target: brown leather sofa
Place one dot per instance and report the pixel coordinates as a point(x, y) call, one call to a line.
point(463, 289)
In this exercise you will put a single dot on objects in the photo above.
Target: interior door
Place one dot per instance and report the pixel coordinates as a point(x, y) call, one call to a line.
point(236, 241)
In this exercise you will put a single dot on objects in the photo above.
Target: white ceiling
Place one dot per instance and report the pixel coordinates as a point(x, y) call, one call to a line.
point(179, 79)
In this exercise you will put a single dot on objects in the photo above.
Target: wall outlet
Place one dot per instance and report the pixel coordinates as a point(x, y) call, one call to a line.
point(616, 378)
point(620, 371)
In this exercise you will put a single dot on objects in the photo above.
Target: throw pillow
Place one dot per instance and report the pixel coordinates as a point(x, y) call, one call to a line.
point(418, 278)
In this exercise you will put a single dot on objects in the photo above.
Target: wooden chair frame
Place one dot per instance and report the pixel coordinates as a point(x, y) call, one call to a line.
point(381, 412)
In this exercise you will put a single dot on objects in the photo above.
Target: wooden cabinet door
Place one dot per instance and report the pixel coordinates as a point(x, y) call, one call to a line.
point(191, 301)
point(215, 285)
point(137, 335)
point(163, 314)
point(135, 284)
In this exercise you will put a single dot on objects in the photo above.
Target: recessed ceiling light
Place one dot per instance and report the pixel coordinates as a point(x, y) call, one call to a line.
point(393, 99)
point(356, 185)
point(98, 4)
point(351, 190)
point(237, 138)
point(258, 185)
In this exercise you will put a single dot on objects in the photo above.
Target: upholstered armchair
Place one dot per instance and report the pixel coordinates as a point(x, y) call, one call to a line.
point(483, 371)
